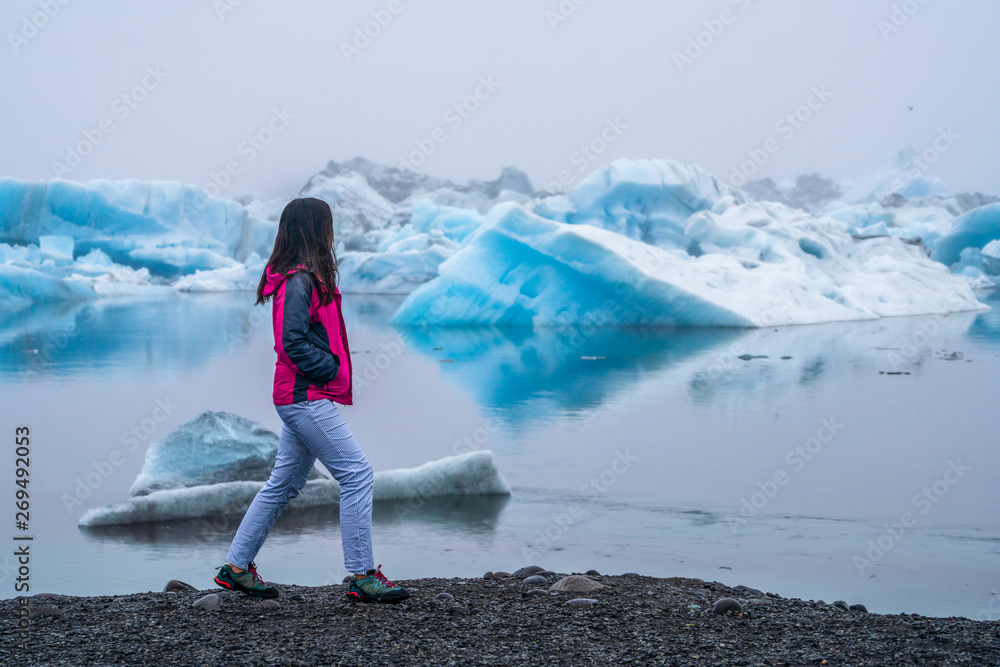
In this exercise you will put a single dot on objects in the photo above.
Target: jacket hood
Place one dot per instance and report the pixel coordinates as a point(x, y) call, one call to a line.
point(274, 280)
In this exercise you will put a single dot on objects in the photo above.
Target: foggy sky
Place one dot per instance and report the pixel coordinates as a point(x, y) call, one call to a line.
point(182, 85)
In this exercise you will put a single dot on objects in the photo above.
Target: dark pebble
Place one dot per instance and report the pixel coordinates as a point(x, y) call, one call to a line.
point(525, 572)
point(537, 592)
point(726, 605)
point(536, 580)
point(501, 574)
point(842, 605)
point(503, 626)
point(178, 586)
point(210, 602)
point(859, 607)
point(632, 575)
point(488, 575)
point(576, 583)
point(592, 573)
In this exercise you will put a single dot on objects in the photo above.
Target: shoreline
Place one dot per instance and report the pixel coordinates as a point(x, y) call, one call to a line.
point(502, 619)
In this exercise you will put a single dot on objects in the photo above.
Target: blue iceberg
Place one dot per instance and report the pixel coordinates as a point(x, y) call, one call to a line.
point(747, 265)
point(975, 229)
point(168, 228)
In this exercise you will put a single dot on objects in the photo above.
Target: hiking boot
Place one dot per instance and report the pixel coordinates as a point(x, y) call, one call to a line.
point(376, 588)
point(247, 581)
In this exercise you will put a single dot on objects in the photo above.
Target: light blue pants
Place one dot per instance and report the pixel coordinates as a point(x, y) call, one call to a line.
point(313, 430)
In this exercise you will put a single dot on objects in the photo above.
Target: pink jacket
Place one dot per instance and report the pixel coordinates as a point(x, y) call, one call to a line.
point(314, 359)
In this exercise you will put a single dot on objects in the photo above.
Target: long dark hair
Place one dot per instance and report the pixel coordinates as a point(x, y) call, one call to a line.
point(305, 238)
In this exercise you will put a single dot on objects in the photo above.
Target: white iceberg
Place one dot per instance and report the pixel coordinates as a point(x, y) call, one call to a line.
point(748, 265)
point(243, 277)
point(470, 474)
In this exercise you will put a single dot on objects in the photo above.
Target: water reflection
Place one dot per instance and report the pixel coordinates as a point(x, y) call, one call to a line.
point(148, 335)
point(535, 374)
point(532, 373)
point(986, 328)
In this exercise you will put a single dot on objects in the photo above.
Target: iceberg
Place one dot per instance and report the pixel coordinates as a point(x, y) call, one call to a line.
point(57, 248)
point(166, 227)
point(217, 462)
point(471, 474)
point(29, 274)
point(212, 447)
point(396, 230)
point(238, 278)
point(895, 175)
point(411, 255)
point(975, 229)
point(645, 200)
point(744, 265)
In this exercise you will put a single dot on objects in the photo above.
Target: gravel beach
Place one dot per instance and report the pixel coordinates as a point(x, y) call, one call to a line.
point(524, 618)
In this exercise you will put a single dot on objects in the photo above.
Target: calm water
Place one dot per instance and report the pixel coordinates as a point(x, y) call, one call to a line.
point(655, 451)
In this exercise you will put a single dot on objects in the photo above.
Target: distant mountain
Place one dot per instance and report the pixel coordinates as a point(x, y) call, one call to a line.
point(397, 185)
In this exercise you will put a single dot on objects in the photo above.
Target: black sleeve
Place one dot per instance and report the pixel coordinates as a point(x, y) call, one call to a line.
point(317, 364)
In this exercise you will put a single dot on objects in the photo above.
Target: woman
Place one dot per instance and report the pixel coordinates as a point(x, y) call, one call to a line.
point(312, 371)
